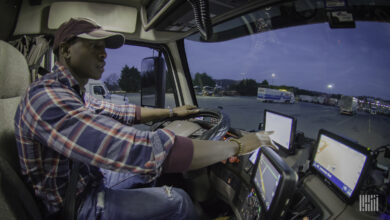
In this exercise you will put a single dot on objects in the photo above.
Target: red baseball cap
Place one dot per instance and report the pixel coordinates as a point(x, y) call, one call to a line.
point(87, 29)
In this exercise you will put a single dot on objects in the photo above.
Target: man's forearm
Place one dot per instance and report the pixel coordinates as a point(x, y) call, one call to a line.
point(210, 152)
point(151, 114)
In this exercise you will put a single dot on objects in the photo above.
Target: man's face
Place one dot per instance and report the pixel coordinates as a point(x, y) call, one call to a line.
point(87, 58)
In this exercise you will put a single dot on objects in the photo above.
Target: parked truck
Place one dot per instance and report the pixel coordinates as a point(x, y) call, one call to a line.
point(332, 101)
point(275, 95)
point(97, 89)
point(306, 98)
point(319, 100)
point(348, 105)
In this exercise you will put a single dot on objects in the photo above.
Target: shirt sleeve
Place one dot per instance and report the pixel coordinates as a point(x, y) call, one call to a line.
point(59, 119)
point(180, 157)
point(128, 114)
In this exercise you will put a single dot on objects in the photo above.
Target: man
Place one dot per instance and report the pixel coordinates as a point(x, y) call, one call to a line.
point(56, 129)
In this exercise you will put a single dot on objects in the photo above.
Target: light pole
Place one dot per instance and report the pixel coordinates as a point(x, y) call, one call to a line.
point(243, 75)
point(273, 75)
point(330, 86)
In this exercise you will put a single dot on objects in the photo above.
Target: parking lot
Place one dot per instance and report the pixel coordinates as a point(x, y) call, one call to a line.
point(247, 112)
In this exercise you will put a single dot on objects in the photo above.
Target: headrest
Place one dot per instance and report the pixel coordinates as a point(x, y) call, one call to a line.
point(14, 72)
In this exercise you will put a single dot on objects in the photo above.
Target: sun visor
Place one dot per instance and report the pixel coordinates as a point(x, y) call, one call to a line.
point(111, 17)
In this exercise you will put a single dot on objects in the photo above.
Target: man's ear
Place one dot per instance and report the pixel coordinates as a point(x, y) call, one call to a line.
point(64, 50)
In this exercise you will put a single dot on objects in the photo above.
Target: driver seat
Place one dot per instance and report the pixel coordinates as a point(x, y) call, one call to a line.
point(16, 201)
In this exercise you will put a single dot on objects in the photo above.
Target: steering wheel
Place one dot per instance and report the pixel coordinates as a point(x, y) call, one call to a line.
point(215, 129)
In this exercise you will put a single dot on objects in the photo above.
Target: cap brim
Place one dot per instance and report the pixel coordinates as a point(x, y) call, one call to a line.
point(112, 40)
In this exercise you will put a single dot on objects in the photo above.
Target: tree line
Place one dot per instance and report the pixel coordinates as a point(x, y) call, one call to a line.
point(130, 81)
point(245, 87)
point(248, 87)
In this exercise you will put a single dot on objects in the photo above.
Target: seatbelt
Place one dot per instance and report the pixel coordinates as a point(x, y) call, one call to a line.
point(70, 195)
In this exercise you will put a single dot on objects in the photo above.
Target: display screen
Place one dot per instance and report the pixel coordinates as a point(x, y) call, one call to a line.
point(266, 180)
point(282, 127)
point(341, 164)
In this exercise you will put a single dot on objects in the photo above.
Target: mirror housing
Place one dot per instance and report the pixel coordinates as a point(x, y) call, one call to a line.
point(153, 82)
point(261, 126)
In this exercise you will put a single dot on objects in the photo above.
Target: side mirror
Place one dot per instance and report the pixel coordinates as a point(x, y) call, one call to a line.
point(153, 78)
point(261, 126)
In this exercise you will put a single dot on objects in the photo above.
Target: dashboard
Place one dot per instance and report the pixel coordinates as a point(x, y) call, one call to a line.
point(310, 178)
point(313, 197)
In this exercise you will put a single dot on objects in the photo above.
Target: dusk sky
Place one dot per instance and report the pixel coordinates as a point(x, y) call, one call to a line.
point(354, 61)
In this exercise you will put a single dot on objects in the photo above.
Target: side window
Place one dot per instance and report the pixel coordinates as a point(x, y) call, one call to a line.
point(98, 90)
point(122, 74)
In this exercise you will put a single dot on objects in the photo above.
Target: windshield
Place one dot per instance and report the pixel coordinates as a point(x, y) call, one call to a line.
point(301, 71)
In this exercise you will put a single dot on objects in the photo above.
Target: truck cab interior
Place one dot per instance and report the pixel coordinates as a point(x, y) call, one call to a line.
point(328, 166)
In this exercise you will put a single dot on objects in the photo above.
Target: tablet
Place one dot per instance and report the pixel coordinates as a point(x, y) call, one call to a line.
point(341, 163)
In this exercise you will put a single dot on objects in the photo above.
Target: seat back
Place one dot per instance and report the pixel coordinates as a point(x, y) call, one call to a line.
point(14, 80)
point(16, 202)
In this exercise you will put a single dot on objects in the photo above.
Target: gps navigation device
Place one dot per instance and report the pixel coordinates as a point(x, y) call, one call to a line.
point(274, 182)
point(341, 163)
point(284, 127)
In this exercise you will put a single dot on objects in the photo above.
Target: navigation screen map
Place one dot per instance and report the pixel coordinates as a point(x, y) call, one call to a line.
point(266, 180)
point(339, 163)
point(281, 126)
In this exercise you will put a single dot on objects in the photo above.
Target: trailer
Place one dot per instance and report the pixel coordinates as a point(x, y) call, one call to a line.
point(274, 95)
point(332, 101)
point(348, 105)
point(319, 100)
point(306, 98)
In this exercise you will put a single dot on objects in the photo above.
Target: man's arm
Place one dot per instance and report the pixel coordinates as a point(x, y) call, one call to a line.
point(151, 114)
point(205, 152)
point(130, 114)
point(210, 152)
point(58, 119)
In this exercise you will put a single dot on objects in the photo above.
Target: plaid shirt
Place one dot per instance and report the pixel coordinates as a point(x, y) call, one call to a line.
point(53, 126)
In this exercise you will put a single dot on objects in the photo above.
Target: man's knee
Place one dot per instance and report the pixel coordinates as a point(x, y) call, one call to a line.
point(182, 195)
point(176, 194)
point(186, 209)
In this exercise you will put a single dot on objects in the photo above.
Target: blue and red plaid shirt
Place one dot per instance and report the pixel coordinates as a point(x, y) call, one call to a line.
point(53, 126)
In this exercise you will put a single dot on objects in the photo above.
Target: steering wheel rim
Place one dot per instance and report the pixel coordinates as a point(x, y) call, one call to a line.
point(216, 132)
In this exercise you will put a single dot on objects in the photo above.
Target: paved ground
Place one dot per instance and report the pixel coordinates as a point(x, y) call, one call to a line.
point(246, 113)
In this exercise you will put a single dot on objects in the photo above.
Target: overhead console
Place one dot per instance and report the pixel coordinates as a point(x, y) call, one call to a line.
point(124, 18)
point(49, 15)
point(178, 16)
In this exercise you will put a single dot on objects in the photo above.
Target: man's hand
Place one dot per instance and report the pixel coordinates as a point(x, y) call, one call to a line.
point(185, 110)
point(251, 141)
point(209, 152)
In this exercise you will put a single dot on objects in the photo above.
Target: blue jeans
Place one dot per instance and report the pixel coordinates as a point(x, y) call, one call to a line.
point(124, 180)
point(117, 203)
